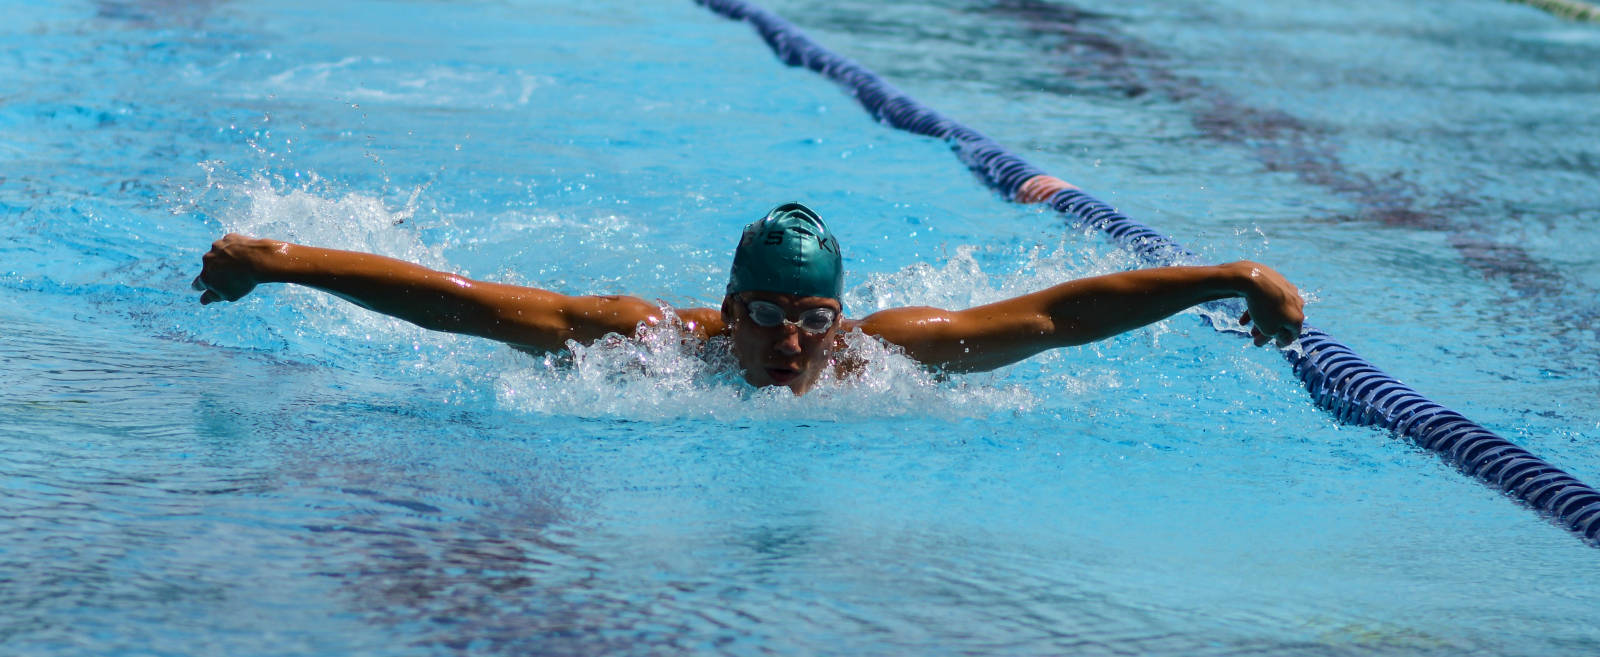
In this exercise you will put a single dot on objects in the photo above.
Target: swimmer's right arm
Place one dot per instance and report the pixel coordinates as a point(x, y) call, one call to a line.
point(525, 317)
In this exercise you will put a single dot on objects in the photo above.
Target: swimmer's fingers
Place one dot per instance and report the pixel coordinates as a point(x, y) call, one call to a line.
point(212, 293)
point(1287, 335)
point(1255, 332)
point(1287, 330)
point(1283, 336)
point(207, 295)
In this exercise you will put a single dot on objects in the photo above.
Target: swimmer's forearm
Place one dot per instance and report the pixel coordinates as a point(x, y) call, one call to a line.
point(408, 291)
point(523, 316)
point(365, 279)
point(1091, 309)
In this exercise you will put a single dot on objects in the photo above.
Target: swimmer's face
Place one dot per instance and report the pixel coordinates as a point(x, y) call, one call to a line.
point(786, 354)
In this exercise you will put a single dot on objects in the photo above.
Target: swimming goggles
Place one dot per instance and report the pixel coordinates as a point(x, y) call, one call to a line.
point(768, 314)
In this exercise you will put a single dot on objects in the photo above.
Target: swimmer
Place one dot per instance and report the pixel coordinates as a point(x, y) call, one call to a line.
point(781, 311)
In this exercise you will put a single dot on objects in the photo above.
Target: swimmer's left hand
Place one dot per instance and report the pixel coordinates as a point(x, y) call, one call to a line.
point(1273, 304)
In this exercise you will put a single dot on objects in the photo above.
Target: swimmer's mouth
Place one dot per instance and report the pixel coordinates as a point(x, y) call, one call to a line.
point(782, 375)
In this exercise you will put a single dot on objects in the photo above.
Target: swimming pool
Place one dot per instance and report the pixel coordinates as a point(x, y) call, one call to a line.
point(290, 476)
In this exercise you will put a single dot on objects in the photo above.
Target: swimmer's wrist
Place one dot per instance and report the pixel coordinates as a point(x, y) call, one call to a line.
point(1243, 278)
point(272, 261)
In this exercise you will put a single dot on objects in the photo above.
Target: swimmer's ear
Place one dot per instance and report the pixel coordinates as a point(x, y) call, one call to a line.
point(727, 310)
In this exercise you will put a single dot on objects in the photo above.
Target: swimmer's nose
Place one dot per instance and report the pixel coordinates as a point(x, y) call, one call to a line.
point(789, 343)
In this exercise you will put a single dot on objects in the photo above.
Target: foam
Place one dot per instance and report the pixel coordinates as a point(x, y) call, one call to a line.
point(667, 374)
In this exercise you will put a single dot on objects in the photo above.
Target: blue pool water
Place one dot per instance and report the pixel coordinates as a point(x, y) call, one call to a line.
point(290, 476)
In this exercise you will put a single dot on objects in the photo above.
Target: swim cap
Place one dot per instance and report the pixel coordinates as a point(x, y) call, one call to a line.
point(790, 251)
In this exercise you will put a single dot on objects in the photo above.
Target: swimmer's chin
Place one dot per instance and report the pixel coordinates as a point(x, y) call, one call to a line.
point(779, 377)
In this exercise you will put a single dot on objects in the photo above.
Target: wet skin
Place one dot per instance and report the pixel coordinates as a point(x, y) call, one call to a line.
point(782, 355)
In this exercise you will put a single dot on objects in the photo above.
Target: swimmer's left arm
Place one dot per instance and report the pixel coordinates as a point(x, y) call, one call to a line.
point(1086, 310)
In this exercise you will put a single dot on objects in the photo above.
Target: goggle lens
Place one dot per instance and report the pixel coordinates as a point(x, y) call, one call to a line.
point(769, 315)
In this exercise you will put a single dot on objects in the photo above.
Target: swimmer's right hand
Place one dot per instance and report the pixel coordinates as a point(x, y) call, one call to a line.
point(230, 270)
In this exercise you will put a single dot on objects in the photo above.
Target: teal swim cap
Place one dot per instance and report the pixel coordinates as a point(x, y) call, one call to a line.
point(790, 251)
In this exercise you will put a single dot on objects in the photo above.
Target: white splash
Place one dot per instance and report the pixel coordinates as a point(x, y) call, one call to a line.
point(342, 220)
point(665, 373)
point(311, 321)
point(961, 281)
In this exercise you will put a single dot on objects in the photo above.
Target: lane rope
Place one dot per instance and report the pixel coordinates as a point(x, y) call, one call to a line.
point(1339, 381)
point(1576, 10)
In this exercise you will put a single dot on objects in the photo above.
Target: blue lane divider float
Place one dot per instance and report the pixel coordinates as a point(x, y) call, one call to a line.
point(1338, 379)
point(1577, 10)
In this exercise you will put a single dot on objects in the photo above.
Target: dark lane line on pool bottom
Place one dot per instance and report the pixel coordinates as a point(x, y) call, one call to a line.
point(1108, 62)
